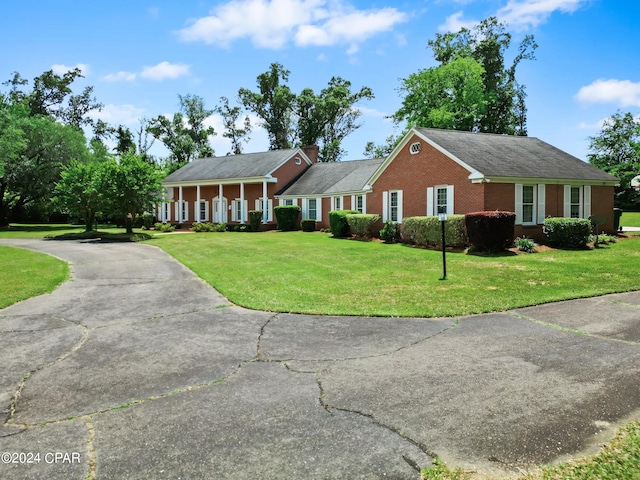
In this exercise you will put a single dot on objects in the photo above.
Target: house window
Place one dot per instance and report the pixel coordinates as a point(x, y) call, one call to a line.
point(528, 202)
point(392, 206)
point(337, 203)
point(415, 148)
point(220, 208)
point(440, 200)
point(166, 212)
point(204, 211)
point(312, 208)
point(298, 161)
point(359, 203)
point(268, 210)
point(182, 211)
point(288, 202)
point(575, 202)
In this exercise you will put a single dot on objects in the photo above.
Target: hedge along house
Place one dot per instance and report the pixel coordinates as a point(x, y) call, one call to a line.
point(224, 189)
point(458, 172)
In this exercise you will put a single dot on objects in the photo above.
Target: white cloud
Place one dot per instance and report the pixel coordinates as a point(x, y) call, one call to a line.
point(120, 77)
point(623, 92)
point(120, 114)
point(165, 70)
point(524, 13)
point(60, 69)
point(273, 23)
point(454, 23)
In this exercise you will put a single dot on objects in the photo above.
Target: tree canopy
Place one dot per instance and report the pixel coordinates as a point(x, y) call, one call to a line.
point(616, 150)
point(472, 88)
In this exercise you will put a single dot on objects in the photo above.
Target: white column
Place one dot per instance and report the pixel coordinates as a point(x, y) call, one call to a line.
point(221, 203)
point(180, 204)
point(198, 215)
point(242, 212)
point(265, 203)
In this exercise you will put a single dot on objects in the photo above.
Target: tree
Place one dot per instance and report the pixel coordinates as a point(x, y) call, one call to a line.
point(185, 135)
point(124, 139)
point(230, 116)
point(450, 96)
point(34, 150)
point(502, 108)
point(371, 150)
point(134, 187)
point(616, 150)
point(274, 104)
point(337, 112)
point(81, 190)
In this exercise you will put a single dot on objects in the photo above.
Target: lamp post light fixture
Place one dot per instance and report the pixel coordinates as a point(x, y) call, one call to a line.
point(442, 216)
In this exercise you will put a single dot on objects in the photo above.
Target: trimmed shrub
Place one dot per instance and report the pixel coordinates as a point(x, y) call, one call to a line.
point(567, 232)
point(255, 219)
point(361, 224)
point(308, 225)
point(427, 231)
point(390, 233)
point(288, 217)
point(490, 231)
point(164, 227)
point(219, 227)
point(338, 222)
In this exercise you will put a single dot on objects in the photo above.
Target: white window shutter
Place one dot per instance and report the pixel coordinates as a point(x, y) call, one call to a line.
point(270, 209)
point(305, 208)
point(430, 202)
point(567, 201)
point(196, 211)
point(399, 206)
point(364, 203)
point(319, 209)
point(353, 202)
point(177, 207)
point(542, 189)
point(168, 211)
point(518, 204)
point(587, 200)
point(385, 206)
point(450, 208)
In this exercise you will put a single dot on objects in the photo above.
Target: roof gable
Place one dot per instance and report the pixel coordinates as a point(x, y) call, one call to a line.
point(248, 165)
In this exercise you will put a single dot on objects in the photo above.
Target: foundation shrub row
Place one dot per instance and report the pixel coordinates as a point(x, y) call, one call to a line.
point(427, 231)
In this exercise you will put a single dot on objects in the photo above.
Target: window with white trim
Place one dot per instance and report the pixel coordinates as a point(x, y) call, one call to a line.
point(238, 211)
point(575, 203)
point(269, 207)
point(166, 212)
point(312, 208)
point(182, 211)
point(528, 204)
point(336, 203)
point(204, 211)
point(220, 208)
point(287, 202)
point(358, 203)
point(392, 206)
point(440, 200)
point(415, 148)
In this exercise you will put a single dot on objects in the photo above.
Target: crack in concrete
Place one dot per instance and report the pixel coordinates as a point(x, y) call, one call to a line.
point(91, 451)
point(570, 330)
point(259, 355)
point(27, 376)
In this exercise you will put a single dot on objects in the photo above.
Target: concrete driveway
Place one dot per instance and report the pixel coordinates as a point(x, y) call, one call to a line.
point(137, 369)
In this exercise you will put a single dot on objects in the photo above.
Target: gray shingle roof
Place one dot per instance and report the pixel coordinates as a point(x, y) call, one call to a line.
point(249, 165)
point(511, 156)
point(334, 177)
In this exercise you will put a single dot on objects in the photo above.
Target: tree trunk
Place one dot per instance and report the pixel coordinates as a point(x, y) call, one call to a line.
point(88, 221)
point(128, 224)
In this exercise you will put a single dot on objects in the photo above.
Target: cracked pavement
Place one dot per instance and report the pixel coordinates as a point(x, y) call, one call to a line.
point(144, 371)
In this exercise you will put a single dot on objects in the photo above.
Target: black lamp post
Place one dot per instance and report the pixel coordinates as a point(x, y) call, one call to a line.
point(442, 216)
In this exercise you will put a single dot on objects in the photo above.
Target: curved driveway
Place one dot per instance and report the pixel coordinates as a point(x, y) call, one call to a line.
point(135, 368)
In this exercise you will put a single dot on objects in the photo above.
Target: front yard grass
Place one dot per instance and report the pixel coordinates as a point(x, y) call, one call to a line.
point(314, 273)
point(630, 219)
point(26, 273)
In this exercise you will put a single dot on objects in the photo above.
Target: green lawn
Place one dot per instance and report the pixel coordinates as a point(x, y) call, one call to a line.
point(630, 219)
point(26, 273)
point(314, 273)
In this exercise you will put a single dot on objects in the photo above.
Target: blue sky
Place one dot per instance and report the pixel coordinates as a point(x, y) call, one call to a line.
point(139, 55)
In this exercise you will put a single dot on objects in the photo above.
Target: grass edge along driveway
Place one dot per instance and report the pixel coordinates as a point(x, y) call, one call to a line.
point(28, 273)
point(313, 273)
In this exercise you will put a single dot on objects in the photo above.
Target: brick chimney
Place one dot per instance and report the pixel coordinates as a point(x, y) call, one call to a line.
point(312, 152)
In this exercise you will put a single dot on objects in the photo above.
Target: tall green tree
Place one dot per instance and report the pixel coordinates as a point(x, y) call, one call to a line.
point(134, 187)
point(274, 104)
point(502, 108)
point(185, 135)
point(230, 117)
point(616, 150)
point(450, 96)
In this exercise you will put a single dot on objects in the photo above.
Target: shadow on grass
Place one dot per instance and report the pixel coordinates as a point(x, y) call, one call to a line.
point(38, 228)
point(102, 236)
